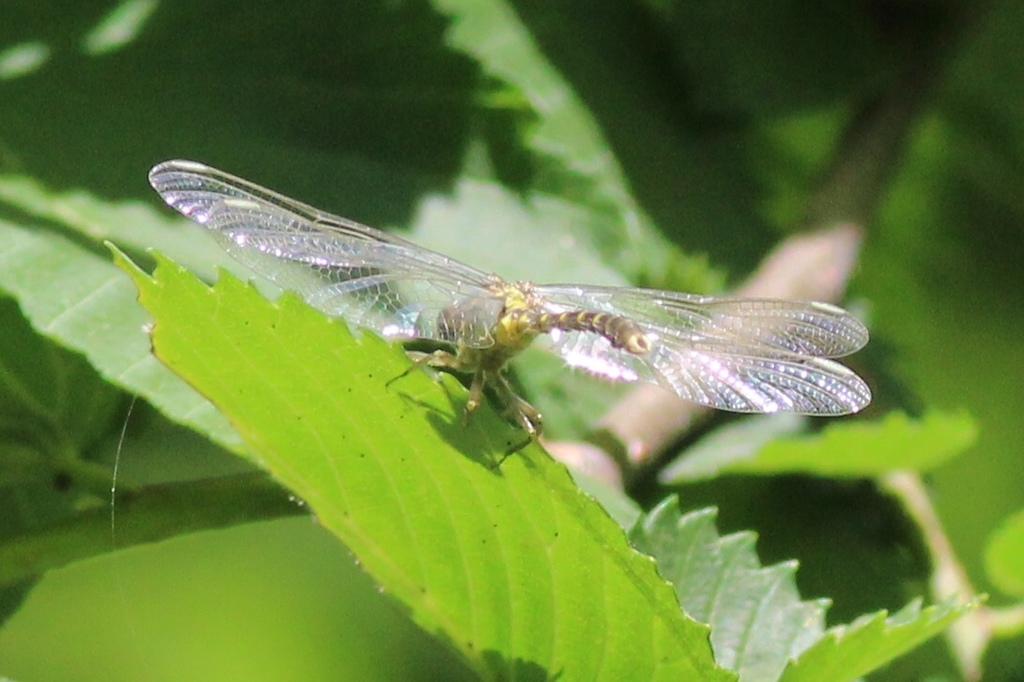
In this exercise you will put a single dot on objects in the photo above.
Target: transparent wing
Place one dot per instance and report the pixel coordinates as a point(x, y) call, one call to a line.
point(371, 278)
point(801, 327)
point(744, 355)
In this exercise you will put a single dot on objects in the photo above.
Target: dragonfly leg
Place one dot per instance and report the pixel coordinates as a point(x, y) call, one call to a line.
point(524, 414)
point(476, 393)
point(439, 358)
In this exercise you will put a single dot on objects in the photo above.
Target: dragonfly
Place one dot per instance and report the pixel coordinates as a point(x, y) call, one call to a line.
point(738, 354)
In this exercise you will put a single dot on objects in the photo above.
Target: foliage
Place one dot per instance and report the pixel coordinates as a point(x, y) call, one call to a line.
point(772, 444)
point(659, 143)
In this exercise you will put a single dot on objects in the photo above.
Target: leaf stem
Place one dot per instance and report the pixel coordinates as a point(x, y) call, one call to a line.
point(145, 514)
point(1007, 622)
point(969, 636)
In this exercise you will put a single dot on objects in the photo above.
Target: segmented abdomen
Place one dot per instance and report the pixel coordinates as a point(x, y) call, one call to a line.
point(621, 331)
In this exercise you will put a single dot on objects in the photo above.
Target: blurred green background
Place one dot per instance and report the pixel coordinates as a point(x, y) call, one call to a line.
point(667, 143)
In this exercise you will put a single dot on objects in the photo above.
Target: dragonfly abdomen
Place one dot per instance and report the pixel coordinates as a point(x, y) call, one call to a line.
point(623, 332)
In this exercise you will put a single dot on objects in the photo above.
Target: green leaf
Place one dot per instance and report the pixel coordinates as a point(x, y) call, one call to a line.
point(451, 223)
point(739, 59)
point(159, 512)
point(841, 449)
point(568, 140)
point(53, 408)
point(1004, 555)
point(737, 441)
point(759, 625)
point(133, 225)
point(758, 621)
point(48, 397)
point(513, 566)
point(81, 301)
point(848, 651)
point(619, 506)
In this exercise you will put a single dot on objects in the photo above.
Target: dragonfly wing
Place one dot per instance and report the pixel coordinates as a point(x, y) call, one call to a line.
point(734, 379)
point(744, 355)
point(723, 376)
point(801, 327)
point(371, 278)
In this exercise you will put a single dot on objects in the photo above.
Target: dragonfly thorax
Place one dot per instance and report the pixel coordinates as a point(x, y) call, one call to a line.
point(470, 322)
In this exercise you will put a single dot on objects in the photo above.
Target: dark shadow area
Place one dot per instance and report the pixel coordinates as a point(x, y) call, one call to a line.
point(455, 432)
point(691, 177)
point(13, 596)
point(518, 669)
point(685, 92)
point(855, 544)
point(365, 92)
point(482, 450)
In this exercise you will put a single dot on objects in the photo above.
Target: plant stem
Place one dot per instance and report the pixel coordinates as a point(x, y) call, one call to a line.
point(146, 514)
point(969, 636)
